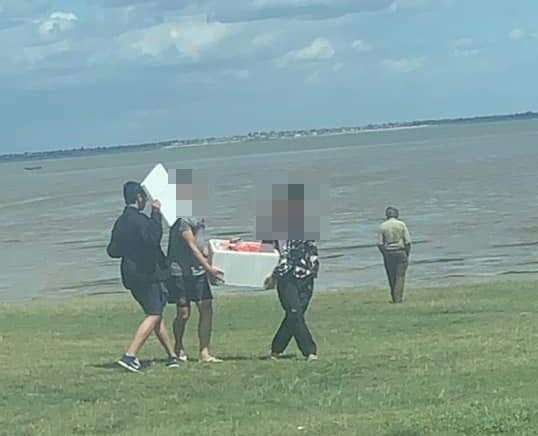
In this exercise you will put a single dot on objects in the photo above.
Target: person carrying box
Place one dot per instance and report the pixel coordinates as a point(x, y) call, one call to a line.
point(297, 267)
point(191, 274)
point(294, 278)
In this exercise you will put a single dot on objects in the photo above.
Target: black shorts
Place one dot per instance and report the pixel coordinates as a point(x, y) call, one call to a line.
point(184, 290)
point(151, 297)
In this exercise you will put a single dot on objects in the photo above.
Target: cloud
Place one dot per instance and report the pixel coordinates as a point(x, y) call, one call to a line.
point(238, 74)
point(319, 50)
point(18, 12)
point(57, 23)
point(520, 34)
point(408, 4)
point(304, 9)
point(252, 10)
point(405, 65)
point(8, 23)
point(33, 56)
point(313, 78)
point(266, 39)
point(464, 47)
point(192, 37)
point(23, 8)
point(169, 42)
point(361, 46)
point(338, 67)
point(517, 34)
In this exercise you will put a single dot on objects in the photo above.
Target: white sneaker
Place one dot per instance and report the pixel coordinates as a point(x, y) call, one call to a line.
point(274, 356)
point(312, 358)
point(182, 357)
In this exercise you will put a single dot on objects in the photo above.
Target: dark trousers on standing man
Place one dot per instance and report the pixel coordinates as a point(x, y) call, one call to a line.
point(294, 295)
point(396, 262)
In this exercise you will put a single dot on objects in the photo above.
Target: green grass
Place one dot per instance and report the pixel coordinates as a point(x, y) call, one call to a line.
point(461, 360)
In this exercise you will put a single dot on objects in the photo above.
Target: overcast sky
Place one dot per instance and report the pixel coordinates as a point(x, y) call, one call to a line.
point(106, 72)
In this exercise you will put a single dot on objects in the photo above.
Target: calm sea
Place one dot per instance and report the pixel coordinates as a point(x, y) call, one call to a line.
point(467, 192)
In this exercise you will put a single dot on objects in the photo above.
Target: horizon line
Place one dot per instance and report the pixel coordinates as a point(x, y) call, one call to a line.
point(104, 148)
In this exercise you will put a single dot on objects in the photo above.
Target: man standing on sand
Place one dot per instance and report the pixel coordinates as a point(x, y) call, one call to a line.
point(394, 243)
point(136, 239)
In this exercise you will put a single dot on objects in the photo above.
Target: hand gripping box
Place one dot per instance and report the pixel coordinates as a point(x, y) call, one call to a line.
point(242, 266)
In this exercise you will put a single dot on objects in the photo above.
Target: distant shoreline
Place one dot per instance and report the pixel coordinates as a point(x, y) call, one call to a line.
point(376, 130)
point(260, 136)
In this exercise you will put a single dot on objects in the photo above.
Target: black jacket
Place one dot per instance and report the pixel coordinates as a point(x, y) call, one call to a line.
point(136, 238)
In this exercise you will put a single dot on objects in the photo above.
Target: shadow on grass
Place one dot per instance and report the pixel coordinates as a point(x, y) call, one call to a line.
point(148, 363)
point(239, 358)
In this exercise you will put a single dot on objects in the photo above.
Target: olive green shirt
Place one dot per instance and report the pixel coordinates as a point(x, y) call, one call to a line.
point(393, 235)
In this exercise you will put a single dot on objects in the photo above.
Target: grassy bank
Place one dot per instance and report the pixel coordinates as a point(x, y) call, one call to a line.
point(450, 361)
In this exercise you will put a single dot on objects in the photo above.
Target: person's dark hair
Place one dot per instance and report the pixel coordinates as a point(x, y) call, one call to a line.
point(131, 191)
point(392, 212)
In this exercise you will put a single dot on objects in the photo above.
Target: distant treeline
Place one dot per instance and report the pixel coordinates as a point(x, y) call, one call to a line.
point(269, 135)
point(480, 119)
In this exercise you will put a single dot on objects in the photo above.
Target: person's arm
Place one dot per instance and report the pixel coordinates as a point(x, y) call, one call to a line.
point(407, 241)
point(151, 229)
point(189, 238)
point(114, 247)
point(313, 257)
point(284, 265)
point(270, 280)
point(380, 241)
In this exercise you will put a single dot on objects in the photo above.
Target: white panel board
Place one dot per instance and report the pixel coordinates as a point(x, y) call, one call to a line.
point(157, 187)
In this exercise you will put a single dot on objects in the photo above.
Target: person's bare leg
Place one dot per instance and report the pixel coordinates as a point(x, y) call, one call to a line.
point(205, 325)
point(164, 339)
point(143, 331)
point(183, 315)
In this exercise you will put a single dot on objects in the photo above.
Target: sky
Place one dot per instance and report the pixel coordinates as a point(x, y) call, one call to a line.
point(108, 72)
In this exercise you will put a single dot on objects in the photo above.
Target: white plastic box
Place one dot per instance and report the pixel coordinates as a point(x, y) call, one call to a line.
point(246, 269)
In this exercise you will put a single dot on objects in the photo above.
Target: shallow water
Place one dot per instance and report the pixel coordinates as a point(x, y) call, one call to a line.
point(467, 193)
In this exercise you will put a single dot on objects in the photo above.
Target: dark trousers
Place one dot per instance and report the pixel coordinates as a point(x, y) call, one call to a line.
point(396, 267)
point(294, 296)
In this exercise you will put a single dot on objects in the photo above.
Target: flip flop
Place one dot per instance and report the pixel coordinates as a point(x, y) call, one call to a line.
point(211, 359)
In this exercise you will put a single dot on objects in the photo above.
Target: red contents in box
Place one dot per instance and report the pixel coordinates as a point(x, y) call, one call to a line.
point(246, 246)
point(249, 247)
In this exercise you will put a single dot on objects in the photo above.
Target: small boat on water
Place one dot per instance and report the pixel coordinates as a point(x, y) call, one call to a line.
point(33, 168)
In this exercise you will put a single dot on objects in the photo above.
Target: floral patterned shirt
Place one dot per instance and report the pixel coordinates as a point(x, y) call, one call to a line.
point(298, 259)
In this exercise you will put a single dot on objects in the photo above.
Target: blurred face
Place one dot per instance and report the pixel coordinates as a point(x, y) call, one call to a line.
point(290, 210)
point(288, 217)
point(192, 192)
point(184, 192)
point(296, 210)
